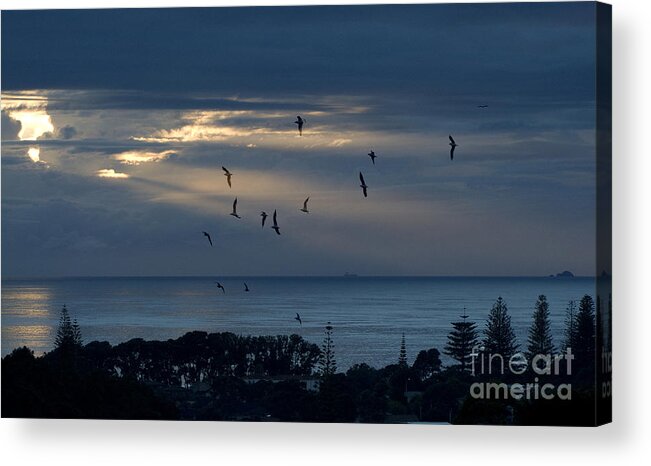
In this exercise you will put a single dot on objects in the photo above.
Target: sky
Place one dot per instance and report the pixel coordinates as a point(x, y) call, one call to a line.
point(116, 123)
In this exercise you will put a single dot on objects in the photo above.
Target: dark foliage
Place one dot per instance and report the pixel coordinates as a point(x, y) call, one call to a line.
point(68, 339)
point(499, 335)
point(461, 341)
point(426, 365)
point(578, 412)
point(200, 356)
point(402, 356)
point(540, 333)
point(46, 388)
point(327, 361)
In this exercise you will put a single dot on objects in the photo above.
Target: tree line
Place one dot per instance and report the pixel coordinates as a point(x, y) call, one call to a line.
point(162, 379)
point(499, 336)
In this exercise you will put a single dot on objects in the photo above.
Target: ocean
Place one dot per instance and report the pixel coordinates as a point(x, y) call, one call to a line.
point(369, 314)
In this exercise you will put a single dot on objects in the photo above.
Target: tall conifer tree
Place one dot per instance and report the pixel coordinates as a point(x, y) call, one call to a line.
point(461, 341)
point(499, 337)
point(540, 334)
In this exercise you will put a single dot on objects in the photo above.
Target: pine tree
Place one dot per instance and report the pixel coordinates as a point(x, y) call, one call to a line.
point(76, 332)
point(540, 336)
point(68, 335)
point(402, 358)
point(327, 362)
point(585, 331)
point(570, 325)
point(499, 335)
point(461, 341)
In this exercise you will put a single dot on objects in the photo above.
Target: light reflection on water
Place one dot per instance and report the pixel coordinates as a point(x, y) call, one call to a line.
point(369, 314)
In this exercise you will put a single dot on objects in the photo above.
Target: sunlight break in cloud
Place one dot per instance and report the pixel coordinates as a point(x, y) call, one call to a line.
point(34, 153)
point(201, 126)
point(110, 173)
point(30, 110)
point(209, 126)
point(340, 142)
point(137, 157)
point(34, 124)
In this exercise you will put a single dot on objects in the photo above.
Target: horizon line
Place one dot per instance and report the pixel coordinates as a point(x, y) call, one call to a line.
point(350, 275)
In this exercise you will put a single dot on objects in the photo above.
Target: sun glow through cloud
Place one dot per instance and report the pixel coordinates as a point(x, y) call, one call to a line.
point(31, 111)
point(34, 153)
point(110, 173)
point(34, 124)
point(213, 126)
point(138, 157)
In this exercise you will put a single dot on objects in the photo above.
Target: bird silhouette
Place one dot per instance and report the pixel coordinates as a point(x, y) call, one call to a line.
point(264, 216)
point(372, 156)
point(482, 106)
point(205, 233)
point(275, 227)
point(298, 317)
point(228, 175)
point(219, 285)
point(304, 209)
point(246, 287)
point(452, 146)
point(234, 213)
point(299, 122)
point(363, 185)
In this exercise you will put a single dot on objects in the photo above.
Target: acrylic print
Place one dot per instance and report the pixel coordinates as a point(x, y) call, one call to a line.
point(373, 214)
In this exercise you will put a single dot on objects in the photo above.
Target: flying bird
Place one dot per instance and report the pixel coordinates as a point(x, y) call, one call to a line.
point(482, 106)
point(234, 213)
point(276, 228)
point(304, 209)
point(363, 185)
point(246, 287)
point(298, 317)
point(228, 175)
point(264, 216)
point(452, 146)
point(372, 156)
point(219, 285)
point(205, 233)
point(299, 122)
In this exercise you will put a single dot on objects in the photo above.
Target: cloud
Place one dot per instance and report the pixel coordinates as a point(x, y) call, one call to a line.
point(34, 153)
point(502, 49)
point(523, 167)
point(340, 142)
point(67, 132)
point(135, 157)
point(10, 127)
point(110, 173)
point(34, 123)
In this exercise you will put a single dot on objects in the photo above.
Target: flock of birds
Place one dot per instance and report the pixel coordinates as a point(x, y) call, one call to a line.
point(299, 123)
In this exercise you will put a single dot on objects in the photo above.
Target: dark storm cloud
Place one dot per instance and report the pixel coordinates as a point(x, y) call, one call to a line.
point(119, 99)
point(481, 50)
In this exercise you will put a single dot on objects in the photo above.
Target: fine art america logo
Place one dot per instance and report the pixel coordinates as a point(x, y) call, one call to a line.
point(540, 366)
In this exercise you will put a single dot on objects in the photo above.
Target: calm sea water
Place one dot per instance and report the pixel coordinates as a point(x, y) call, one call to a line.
point(369, 315)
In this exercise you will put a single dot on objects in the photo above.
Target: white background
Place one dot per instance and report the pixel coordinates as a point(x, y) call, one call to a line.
point(626, 441)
